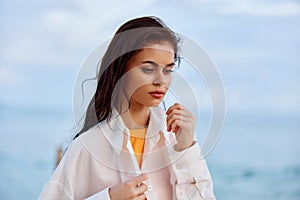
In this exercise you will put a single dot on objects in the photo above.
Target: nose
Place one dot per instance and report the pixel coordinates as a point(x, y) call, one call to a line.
point(159, 78)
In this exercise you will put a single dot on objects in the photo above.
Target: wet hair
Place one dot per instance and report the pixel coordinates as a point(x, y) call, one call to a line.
point(130, 38)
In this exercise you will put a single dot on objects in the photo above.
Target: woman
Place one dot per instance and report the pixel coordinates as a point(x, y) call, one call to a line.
point(128, 147)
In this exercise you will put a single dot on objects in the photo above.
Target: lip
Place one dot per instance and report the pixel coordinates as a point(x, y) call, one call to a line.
point(157, 94)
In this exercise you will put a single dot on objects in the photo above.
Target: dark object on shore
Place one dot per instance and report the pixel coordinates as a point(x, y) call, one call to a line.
point(59, 155)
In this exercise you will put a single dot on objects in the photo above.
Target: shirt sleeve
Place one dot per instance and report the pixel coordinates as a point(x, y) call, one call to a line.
point(103, 194)
point(190, 176)
point(55, 190)
point(63, 184)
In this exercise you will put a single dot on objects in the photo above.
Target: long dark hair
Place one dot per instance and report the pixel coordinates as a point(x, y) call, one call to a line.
point(136, 33)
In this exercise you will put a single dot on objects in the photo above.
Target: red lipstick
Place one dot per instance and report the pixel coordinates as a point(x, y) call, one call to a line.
point(157, 94)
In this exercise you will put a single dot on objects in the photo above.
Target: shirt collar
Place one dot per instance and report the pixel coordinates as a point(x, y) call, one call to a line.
point(118, 134)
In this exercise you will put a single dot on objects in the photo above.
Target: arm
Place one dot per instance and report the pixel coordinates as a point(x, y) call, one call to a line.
point(72, 180)
point(56, 190)
point(64, 183)
point(190, 176)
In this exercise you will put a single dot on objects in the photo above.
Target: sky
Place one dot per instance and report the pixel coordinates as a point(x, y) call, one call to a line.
point(255, 45)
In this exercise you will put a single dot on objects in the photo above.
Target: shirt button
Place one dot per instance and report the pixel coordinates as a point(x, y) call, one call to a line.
point(180, 193)
point(187, 178)
point(129, 176)
point(149, 187)
point(178, 166)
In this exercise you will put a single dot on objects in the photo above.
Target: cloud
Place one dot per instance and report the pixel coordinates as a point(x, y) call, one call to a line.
point(9, 77)
point(261, 8)
point(62, 35)
point(266, 8)
point(247, 99)
point(88, 22)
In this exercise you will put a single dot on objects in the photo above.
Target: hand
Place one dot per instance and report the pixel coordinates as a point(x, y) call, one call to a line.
point(181, 122)
point(133, 189)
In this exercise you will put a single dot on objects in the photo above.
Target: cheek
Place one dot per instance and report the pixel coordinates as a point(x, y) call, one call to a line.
point(134, 81)
point(141, 91)
point(168, 81)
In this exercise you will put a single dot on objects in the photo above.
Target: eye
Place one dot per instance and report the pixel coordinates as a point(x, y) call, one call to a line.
point(147, 70)
point(168, 70)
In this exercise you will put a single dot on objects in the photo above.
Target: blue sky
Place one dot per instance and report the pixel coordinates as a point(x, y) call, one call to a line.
point(255, 45)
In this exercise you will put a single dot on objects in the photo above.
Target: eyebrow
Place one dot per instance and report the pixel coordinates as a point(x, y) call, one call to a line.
point(156, 65)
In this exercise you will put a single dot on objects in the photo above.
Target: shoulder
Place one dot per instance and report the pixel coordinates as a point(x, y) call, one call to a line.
point(95, 141)
point(80, 145)
point(91, 138)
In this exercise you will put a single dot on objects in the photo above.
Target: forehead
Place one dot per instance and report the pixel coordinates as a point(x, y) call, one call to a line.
point(162, 53)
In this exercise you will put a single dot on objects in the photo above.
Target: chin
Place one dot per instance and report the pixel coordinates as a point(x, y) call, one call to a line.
point(154, 104)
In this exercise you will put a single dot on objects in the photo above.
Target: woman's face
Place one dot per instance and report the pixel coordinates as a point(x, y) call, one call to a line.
point(149, 74)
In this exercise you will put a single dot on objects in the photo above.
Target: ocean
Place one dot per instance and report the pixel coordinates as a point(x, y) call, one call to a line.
point(256, 156)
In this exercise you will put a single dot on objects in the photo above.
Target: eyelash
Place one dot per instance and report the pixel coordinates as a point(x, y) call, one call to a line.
point(168, 71)
point(147, 70)
point(150, 70)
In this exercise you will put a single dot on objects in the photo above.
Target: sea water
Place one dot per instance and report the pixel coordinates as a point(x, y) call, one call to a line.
point(256, 157)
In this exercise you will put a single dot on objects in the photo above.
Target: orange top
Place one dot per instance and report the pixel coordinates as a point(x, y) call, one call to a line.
point(137, 139)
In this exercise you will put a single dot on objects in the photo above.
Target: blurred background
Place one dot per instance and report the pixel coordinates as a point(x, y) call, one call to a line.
point(255, 45)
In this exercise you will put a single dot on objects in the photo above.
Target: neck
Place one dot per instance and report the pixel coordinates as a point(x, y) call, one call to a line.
point(137, 116)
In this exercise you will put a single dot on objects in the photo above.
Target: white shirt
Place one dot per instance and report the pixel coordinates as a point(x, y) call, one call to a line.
point(103, 157)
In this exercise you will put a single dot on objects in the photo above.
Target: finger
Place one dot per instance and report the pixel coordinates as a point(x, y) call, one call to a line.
point(184, 125)
point(175, 106)
point(176, 125)
point(175, 117)
point(141, 197)
point(139, 179)
point(184, 113)
point(183, 117)
point(171, 108)
point(142, 188)
point(179, 112)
